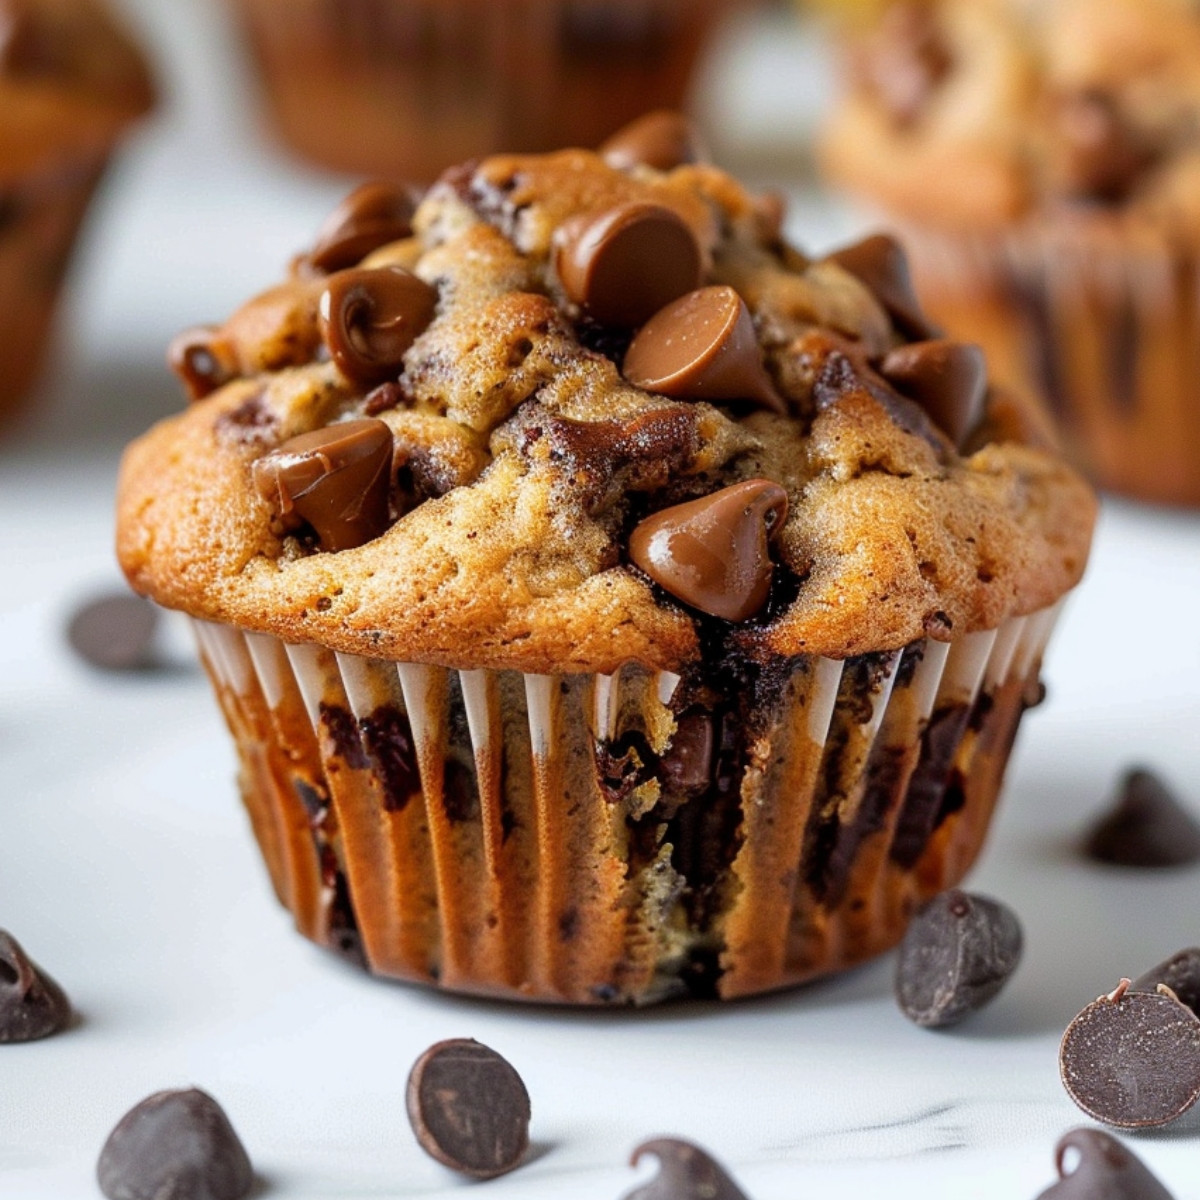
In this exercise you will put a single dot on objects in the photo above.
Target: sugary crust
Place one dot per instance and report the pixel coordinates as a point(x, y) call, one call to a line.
point(543, 457)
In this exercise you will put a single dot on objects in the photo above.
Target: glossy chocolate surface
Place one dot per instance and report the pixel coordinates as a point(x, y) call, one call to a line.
point(369, 217)
point(948, 379)
point(662, 139)
point(880, 263)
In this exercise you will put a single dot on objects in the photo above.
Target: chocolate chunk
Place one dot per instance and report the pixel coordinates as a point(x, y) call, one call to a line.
point(203, 358)
point(469, 1108)
point(958, 952)
point(1105, 1169)
point(712, 553)
point(370, 317)
point(115, 632)
point(685, 1172)
point(687, 765)
point(881, 265)
point(335, 478)
point(1132, 1059)
point(1180, 972)
point(371, 216)
point(622, 265)
point(174, 1145)
point(1146, 827)
point(948, 380)
point(663, 140)
point(702, 347)
point(32, 1005)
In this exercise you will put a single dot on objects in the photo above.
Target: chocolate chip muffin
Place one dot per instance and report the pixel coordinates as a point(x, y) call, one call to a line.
point(608, 601)
point(1063, 233)
point(71, 82)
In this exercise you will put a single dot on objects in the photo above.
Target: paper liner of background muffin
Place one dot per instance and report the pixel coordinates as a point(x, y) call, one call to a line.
point(454, 827)
point(429, 83)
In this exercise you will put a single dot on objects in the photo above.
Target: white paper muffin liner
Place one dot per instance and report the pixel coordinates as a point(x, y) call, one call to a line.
point(456, 827)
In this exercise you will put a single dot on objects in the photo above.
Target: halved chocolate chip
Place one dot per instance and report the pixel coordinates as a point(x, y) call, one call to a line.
point(1147, 826)
point(685, 1172)
point(203, 358)
point(702, 347)
point(663, 139)
point(469, 1108)
point(32, 1005)
point(335, 478)
point(948, 380)
point(957, 953)
point(369, 217)
point(712, 553)
point(114, 632)
point(622, 265)
point(1105, 1169)
point(175, 1145)
point(370, 317)
point(880, 263)
point(1132, 1059)
point(1180, 972)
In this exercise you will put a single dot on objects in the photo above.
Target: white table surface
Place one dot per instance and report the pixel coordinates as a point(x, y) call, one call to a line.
point(126, 866)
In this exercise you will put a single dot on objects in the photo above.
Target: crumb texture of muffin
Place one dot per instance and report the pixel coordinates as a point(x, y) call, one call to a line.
point(606, 598)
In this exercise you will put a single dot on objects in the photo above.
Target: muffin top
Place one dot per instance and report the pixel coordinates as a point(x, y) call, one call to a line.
point(70, 79)
point(582, 408)
point(1017, 107)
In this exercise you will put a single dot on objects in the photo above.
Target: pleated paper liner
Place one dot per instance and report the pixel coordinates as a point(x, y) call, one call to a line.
point(468, 829)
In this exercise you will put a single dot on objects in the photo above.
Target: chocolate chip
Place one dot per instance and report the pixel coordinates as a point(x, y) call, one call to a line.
point(203, 358)
point(174, 1145)
point(1147, 826)
point(622, 265)
point(687, 764)
point(948, 380)
point(115, 632)
point(469, 1108)
point(663, 140)
point(335, 478)
point(1105, 1169)
point(881, 265)
point(32, 1005)
point(685, 1172)
point(712, 553)
point(703, 347)
point(1180, 972)
point(958, 952)
point(370, 317)
point(371, 216)
point(1132, 1059)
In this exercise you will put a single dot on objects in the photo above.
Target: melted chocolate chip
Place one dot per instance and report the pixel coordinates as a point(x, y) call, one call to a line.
point(957, 954)
point(369, 217)
point(1132, 1059)
point(1105, 1169)
point(702, 346)
point(175, 1145)
point(203, 359)
point(370, 317)
point(32, 1005)
point(115, 632)
point(335, 478)
point(469, 1108)
point(622, 265)
point(948, 380)
point(685, 1172)
point(712, 553)
point(663, 140)
point(1147, 826)
point(1180, 972)
point(881, 265)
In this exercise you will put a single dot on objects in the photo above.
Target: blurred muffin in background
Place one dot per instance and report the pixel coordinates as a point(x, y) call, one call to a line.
point(405, 88)
point(1043, 162)
point(71, 82)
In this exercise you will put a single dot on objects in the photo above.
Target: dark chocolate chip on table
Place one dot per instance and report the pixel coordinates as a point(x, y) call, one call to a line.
point(662, 139)
point(1104, 1169)
point(1132, 1059)
point(958, 952)
point(174, 1145)
point(469, 1108)
point(713, 553)
point(1180, 973)
point(948, 380)
point(115, 631)
point(369, 217)
point(685, 1172)
point(1147, 826)
point(32, 1005)
point(625, 263)
point(702, 347)
point(879, 262)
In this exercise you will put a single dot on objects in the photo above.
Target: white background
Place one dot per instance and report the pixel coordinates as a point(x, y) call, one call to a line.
point(127, 868)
